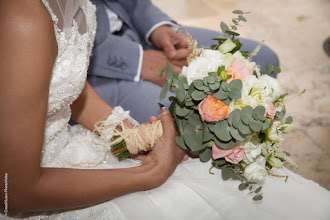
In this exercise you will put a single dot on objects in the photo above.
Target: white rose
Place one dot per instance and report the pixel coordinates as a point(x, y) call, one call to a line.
point(245, 99)
point(252, 148)
point(254, 172)
point(265, 89)
point(208, 61)
point(274, 133)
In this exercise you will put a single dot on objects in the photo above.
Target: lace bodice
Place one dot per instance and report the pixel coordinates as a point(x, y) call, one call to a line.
point(68, 78)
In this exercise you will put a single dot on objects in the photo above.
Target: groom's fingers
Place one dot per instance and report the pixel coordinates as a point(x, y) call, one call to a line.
point(182, 54)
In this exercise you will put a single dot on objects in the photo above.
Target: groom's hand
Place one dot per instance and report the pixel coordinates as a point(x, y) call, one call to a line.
point(169, 41)
point(153, 60)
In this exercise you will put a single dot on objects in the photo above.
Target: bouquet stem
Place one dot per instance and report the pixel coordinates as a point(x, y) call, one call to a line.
point(131, 141)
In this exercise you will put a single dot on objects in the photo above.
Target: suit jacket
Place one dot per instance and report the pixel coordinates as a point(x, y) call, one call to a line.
point(117, 55)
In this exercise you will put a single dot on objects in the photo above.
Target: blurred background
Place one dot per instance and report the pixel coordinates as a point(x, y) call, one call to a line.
point(296, 30)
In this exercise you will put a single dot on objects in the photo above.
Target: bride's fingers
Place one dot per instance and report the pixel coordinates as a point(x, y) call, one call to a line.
point(152, 119)
point(138, 157)
point(185, 157)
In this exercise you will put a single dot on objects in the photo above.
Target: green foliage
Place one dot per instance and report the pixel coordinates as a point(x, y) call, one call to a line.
point(269, 69)
point(206, 154)
point(161, 71)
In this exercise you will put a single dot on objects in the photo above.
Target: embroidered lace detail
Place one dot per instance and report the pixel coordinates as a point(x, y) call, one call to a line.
point(68, 78)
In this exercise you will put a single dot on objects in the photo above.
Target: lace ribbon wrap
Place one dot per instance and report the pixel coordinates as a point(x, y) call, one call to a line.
point(137, 139)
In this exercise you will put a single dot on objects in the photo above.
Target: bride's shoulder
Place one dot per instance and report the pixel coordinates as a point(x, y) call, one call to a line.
point(25, 17)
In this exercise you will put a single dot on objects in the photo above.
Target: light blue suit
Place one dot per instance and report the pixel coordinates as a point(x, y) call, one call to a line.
point(115, 58)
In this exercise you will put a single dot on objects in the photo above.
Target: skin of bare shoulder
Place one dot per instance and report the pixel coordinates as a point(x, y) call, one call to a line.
point(27, 54)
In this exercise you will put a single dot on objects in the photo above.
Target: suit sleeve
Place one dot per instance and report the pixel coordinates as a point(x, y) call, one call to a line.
point(117, 58)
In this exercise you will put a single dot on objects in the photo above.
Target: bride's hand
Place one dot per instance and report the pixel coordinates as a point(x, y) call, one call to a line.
point(166, 155)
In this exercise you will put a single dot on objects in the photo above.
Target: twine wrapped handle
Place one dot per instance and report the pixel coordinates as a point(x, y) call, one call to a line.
point(125, 141)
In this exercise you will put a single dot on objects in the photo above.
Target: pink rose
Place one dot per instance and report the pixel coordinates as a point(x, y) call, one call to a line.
point(212, 109)
point(233, 155)
point(238, 70)
point(270, 110)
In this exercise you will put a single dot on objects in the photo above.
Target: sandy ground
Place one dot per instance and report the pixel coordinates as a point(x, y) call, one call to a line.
point(295, 30)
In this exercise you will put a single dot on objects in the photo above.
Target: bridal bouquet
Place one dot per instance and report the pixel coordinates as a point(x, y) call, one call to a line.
point(225, 110)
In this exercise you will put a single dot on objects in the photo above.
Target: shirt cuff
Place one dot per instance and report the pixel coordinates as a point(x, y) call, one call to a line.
point(138, 74)
point(158, 25)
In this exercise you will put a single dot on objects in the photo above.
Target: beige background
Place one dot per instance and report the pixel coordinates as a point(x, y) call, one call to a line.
point(295, 30)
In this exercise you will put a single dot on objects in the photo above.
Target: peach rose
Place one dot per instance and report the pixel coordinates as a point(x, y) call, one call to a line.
point(233, 155)
point(238, 70)
point(212, 109)
point(270, 110)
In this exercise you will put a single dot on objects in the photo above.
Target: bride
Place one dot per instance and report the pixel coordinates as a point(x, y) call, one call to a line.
point(45, 48)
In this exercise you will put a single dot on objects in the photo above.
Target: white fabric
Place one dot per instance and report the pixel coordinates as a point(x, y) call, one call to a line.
point(115, 23)
point(138, 74)
point(190, 193)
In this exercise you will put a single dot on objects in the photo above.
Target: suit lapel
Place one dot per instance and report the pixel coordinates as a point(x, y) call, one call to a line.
point(118, 9)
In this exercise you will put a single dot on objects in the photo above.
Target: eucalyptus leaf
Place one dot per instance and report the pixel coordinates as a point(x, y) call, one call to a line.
point(184, 81)
point(198, 84)
point(289, 120)
point(194, 119)
point(205, 81)
point(193, 137)
point(282, 113)
point(226, 101)
point(215, 86)
point(224, 145)
point(189, 103)
point(180, 142)
point(265, 125)
point(221, 95)
point(258, 189)
point(206, 89)
point(198, 95)
point(191, 89)
point(224, 27)
point(236, 118)
point(207, 135)
point(181, 111)
point(236, 83)
point(256, 125)
point(224, 86)
point(227, 173)
point(169, 71)
point(222, 131)
point(164, 91)
point(236, 134)
point(219, 162)
point(206, 154)
point(210, 80)
point(238, 12)
point(257, 197)
point(244, 129)
point(242, 18)
point(243, 186)
point(237, 114)
point(234, 93)
point(161, 71)
point(232, 33)
point(181, 92)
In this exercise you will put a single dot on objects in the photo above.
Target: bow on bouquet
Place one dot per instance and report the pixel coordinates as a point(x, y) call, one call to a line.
point(225, 110)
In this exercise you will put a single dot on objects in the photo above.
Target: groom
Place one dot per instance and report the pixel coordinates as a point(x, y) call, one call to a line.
point(134, 39)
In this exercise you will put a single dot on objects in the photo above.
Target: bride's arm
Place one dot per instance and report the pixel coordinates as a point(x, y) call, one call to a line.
point(27, 54)
point(89, 108)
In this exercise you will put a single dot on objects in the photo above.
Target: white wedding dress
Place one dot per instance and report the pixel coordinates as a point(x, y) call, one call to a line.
point(191, 192)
